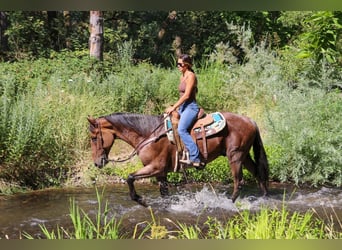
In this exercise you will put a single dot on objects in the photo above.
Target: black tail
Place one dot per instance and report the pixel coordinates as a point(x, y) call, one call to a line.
point(260, 158)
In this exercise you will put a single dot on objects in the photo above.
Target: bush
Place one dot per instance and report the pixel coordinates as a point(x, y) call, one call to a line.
point(306, 124)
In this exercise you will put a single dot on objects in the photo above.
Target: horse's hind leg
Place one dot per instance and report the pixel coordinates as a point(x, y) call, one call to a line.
point(252, 168)
point(237, 177)
point(250, 165)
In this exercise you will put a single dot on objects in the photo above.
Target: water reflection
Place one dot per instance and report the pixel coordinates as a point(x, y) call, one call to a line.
point(187, 204)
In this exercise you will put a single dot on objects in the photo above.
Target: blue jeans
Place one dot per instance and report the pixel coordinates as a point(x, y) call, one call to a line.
point(188, 113)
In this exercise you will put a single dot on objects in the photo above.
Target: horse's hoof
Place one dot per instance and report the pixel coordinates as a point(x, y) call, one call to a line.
point(265, 196)
point(234, 198)
point(141, 202)
point(165, 195)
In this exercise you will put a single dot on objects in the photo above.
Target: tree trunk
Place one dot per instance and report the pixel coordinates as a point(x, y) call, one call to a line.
point(96, 35)
point(67, 25)
point(3, 27)
point(53, 32)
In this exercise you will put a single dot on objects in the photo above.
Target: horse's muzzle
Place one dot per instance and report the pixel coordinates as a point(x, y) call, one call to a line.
point(101, 162)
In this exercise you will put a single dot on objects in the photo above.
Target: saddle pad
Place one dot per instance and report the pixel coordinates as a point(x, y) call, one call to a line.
point(217, 124)
point(210, 129)
point(168, 128)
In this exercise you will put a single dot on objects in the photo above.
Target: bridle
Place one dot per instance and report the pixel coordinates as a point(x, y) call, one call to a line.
point(99, 143)
point(143, 143)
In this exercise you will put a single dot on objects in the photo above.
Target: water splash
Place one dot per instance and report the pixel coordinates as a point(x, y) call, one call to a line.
point(209, 200)
point(204, 200)
point(323, 197)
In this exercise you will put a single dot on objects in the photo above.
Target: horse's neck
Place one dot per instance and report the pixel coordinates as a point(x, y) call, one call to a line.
point(130, 137)
point(134, 129)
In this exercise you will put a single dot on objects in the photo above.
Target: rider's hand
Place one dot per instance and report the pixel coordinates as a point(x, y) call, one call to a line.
point(169, 110)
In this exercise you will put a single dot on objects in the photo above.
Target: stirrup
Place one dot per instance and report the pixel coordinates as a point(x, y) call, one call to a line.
point(198, 165)
point(185, 161)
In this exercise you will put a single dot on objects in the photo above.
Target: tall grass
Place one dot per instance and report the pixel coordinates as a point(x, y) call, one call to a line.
point(274, 224)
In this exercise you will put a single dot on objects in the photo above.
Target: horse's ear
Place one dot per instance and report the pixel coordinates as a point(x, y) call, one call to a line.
point(91, 120)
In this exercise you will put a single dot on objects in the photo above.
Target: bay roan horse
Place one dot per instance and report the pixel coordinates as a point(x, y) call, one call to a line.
point(147, 135)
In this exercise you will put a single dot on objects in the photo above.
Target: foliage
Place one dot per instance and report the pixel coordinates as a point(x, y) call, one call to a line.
point(322, 31)
point(24, 28)
point(307, 131)
point(32, 34)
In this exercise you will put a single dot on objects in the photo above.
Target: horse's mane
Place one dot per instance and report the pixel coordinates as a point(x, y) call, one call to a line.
point(142, 124)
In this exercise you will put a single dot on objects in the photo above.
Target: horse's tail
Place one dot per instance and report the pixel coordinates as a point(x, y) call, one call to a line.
point(260, 158)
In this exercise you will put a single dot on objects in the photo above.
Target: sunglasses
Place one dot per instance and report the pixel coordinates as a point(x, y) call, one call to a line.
point(180, 65)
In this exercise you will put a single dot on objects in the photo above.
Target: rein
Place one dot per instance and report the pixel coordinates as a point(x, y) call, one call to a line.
point(141, 144)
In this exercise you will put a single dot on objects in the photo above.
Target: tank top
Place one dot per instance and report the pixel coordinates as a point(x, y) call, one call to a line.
point(181, 88)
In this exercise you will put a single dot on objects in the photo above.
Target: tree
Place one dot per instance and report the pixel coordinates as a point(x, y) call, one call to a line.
point(96, 35)
point(321, 36)
point(67, 25)
point(3, 26)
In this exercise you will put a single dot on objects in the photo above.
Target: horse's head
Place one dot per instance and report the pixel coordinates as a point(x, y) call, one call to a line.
point(102, 139)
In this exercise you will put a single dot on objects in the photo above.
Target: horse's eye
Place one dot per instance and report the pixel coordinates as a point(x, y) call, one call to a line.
point(93, 139)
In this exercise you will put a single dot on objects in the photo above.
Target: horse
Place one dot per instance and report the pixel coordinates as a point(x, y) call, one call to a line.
point(147, 135)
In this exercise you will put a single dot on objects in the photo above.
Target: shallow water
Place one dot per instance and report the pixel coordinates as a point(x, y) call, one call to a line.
point(187, 204)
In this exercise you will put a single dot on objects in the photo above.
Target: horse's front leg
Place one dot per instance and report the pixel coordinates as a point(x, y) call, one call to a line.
point(132, 192)
point(146, 172)
point(163, 186)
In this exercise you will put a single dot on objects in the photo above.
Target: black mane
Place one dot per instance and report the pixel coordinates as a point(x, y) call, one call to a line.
point(142, 124)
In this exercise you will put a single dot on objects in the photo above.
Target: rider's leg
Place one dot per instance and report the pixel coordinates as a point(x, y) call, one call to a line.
point(188, 116)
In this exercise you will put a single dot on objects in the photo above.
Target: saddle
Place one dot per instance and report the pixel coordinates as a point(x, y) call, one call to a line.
point(206, 125)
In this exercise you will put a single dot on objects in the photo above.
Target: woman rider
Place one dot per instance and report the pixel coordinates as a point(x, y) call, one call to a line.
point(187, 108)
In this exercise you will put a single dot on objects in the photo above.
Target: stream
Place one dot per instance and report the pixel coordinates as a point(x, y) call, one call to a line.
point(188, 203)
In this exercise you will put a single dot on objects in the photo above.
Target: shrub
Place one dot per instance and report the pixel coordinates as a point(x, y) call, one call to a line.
point(307, 125)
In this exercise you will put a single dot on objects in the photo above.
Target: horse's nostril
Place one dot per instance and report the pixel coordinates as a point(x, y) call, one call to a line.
point(98, 164)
